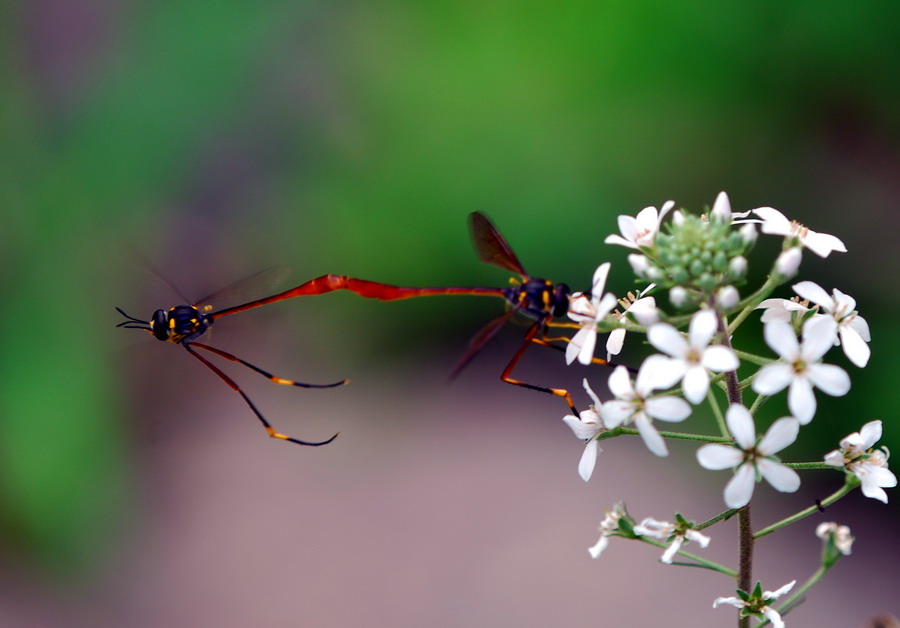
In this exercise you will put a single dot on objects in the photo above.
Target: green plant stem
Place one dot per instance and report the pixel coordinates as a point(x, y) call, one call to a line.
point(848, 486)
point(701, 562)
point(810, 465)
point(728, 514)
point(717, 412)
point(757, 404)
point(749, 304)
point(745, 527)
point(752, 358)
point(627, 431)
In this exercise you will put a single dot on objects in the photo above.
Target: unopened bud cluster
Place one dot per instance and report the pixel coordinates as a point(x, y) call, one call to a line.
point(697, 257)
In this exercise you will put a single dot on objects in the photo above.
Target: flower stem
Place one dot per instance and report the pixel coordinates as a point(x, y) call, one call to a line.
point(728, 514)
point(808, 465)
point(700, 562)
point(753, 358)
point(848, 486)
point(717, 412)
point(627, 431)
point(749, 304)
point(745, 528)
point(745, 552)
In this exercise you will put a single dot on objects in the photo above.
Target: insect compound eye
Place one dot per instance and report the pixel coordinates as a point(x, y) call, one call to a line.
point(561, 296)
point(159, 323)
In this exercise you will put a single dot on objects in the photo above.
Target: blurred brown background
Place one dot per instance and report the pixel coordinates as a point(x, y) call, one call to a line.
point(209, 140)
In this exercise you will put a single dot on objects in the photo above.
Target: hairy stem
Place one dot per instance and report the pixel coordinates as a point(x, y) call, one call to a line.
point(848, 486)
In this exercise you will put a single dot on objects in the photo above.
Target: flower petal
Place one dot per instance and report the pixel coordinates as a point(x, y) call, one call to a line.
point(782, 340)
point(739, 489)
point(834, 458)
point(830, 379)
point(585, 427)
point(584, 339)
point(720, 358)
point(773, 378)
point(815, 293)
point(673, 548)
point(658, 372)
point(740, 424)
point(668, 408)
point(695, 384)
point(597, 549)
point(819, 334)
point(617, 412)
point(861, 327)
point(599, 281)
point(801, 400)
point(591, 393)
point(716, 457)
point(588, 459)
point(620, 384)
point(615, 341)
point(650, 436)
point(870, 433)
point(855, 348)
point(702, 328)
point(774, 222)
point(822, 244)
point(668, 340)
point(782, 433)
point(781, 478)
point(773, 616)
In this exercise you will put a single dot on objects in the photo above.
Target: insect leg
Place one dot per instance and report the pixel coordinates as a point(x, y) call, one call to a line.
point(268, 427)
point(530, 338)
point(266, 374)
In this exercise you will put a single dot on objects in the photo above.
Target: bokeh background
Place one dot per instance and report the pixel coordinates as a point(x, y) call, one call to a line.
point(202, 141)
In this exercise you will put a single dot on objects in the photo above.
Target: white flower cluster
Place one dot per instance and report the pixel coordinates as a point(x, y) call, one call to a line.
point(799, 332)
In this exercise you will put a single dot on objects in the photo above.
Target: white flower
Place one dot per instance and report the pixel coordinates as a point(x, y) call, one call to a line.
point(751, 459)
point(608, 526)
point(800, 367)
point(642, 308)
point(775, 223)
point(693, 358)
point(679, 535)
point(586, 426)
point(761, 604)
point(640, 231)
point(853, 330)
point(843, 541)
point(587, 313)
point(634, 403)
point(869, 465)
point(781, 310)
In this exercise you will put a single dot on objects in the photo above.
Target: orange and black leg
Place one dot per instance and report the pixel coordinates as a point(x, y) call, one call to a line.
point(266, 374)
point(268, 427)
point(506, 376)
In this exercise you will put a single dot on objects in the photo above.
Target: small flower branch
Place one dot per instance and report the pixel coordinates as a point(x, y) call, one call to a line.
point(749, 304)
point(698, 560)
point(722, 516)
point(848, 486)
point(627, 431)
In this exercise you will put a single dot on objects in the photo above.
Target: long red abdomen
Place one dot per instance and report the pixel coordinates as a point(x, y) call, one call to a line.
point(362, 287)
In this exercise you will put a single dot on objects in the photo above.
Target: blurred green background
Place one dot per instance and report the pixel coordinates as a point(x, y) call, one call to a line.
point(209, 140)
